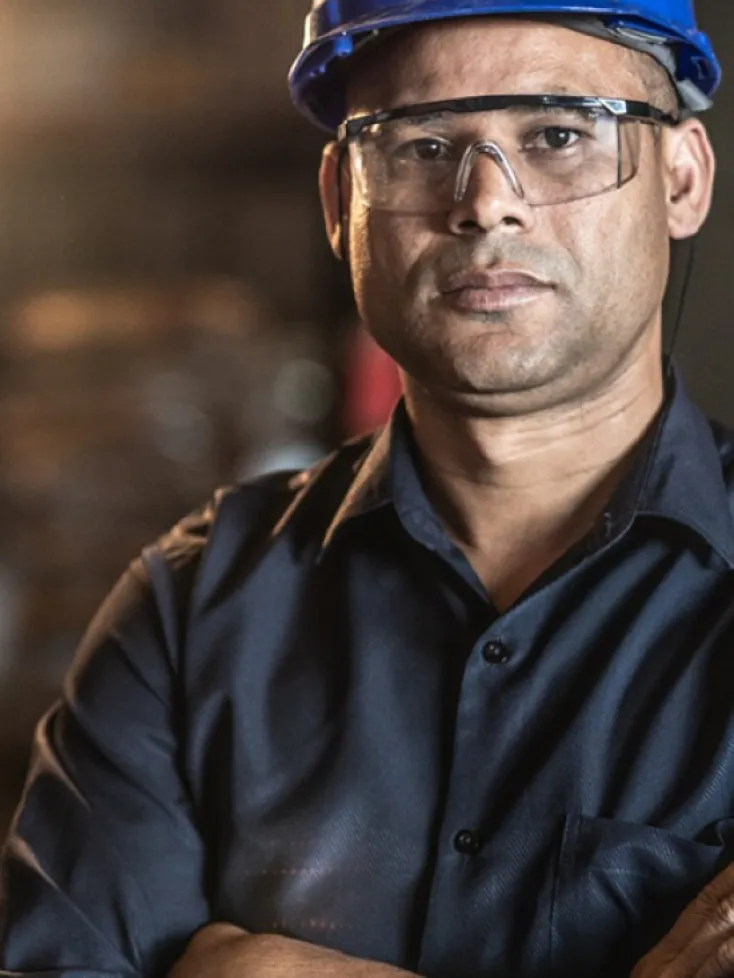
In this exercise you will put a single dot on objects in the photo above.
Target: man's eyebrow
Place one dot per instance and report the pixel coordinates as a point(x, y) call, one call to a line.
point(581, 112)
point(427, 118)
point(431, 117)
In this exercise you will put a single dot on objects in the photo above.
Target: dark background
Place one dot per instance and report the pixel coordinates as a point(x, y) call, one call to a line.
point(170, 316)
point(705, 347)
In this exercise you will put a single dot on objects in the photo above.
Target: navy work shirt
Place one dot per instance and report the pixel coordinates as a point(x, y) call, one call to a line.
point(301, 713)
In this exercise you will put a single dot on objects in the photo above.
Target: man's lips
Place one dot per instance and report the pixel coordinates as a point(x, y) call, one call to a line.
point(493, 289)
point(493, 278)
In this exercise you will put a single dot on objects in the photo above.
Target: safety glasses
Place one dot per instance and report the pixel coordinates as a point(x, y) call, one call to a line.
point(551, 149)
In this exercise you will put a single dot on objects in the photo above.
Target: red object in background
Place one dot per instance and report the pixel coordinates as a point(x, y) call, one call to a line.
point(372, 384)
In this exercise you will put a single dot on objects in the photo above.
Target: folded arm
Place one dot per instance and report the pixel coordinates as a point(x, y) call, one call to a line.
point(224, 951)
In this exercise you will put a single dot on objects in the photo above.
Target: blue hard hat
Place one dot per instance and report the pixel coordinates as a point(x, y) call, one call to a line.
point(335, 28)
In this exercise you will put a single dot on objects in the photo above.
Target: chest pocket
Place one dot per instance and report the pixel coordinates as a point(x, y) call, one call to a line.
point(620, 888)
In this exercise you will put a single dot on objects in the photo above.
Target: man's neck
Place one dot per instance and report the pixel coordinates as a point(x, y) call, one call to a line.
point(515, 493)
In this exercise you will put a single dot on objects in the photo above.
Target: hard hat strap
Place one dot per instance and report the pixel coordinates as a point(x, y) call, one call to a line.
point(682, 270)
point(343, 218)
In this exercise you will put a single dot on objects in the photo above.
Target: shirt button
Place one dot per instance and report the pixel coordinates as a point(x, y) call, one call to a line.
point(467, 842)
point(496, 653)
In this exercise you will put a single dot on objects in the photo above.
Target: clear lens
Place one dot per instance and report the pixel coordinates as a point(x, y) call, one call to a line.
point(425, 165)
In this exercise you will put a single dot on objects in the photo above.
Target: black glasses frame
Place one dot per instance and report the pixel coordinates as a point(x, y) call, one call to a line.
point(619, 108)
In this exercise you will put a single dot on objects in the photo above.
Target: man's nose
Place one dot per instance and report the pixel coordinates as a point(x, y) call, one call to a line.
point(473, 154)
point(488, 193)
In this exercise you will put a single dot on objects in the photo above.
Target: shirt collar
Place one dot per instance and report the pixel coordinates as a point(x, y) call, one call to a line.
point(677, 476)
point(389, 476)
point(371, 488)
point(681, 473)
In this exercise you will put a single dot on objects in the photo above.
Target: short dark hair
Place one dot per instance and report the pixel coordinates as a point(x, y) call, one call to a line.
point(660, 88)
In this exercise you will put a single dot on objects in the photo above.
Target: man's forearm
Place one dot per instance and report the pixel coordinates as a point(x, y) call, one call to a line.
point(224, 951)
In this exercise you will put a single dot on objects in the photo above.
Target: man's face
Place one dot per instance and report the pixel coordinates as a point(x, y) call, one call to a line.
point(604, 259)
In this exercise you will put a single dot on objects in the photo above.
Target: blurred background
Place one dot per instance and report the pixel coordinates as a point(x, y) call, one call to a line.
point(170, 316)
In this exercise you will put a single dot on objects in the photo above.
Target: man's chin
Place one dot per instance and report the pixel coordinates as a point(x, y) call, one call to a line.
point(509, 379)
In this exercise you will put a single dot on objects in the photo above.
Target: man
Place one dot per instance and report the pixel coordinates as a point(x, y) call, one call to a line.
point(456, 702)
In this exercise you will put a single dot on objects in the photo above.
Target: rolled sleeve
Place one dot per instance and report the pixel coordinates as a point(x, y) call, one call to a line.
point(103, 870)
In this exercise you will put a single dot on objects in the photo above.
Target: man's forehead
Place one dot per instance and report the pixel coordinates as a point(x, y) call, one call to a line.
point(489, 55)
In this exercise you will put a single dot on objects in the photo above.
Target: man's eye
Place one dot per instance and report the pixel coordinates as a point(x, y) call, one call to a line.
point(554, 138)
point(425, 151)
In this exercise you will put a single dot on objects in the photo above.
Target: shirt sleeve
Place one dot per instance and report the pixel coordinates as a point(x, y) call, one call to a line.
point(103, 871)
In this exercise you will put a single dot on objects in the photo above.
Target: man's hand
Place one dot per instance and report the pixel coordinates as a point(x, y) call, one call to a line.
point(701, 945)
point(224, 951)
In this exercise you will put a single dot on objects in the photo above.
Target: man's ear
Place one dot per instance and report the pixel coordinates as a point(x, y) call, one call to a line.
point(690, 166)
point(335, 187)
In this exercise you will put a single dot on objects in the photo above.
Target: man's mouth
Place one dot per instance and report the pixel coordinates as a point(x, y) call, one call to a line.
point(493, 289)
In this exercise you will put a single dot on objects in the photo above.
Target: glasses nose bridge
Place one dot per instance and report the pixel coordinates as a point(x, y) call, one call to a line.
point(485, 147)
